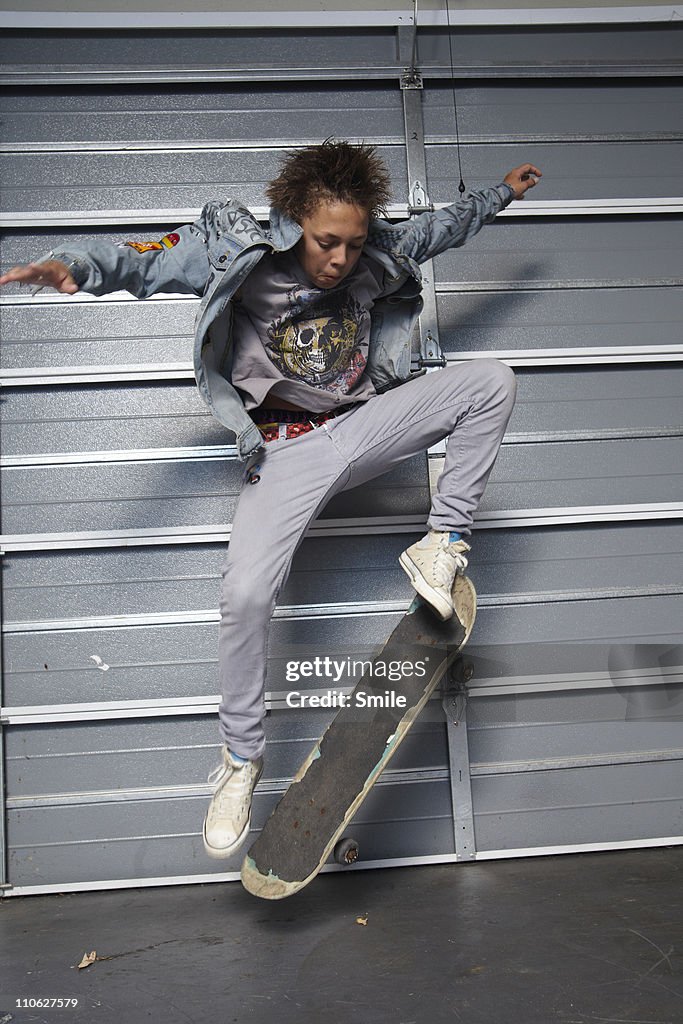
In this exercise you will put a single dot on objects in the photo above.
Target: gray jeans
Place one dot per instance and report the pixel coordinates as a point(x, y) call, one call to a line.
point(470, 404)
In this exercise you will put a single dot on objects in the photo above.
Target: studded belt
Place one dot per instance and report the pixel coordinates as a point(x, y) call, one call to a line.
point(281, 424)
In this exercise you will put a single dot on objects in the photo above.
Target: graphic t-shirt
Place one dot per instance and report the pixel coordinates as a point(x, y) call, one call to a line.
point(300, 343)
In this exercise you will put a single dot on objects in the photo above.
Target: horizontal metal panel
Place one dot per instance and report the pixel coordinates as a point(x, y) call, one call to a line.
point(72, 181)
point(87, 758)
point(171, 661)
point(27, 220)
point(98, 334)
point(589, 170)
point(557, 808)
point(561, 805)
point(631, 207)
point(588, 402)
point(555, 563)
point(171, 494)
point(146, 372)
point(101, 419)
point(226, 115)
point(505, 732)
point(518, 52)
point(507, 567)
point(346, 16)
point(198, 56)
point(612, 619)
point(182, 579)
point(513, 247)
point(570, 253)
point(118, 419)
point(135, 338)
point(219, 54)
point(292, 113)
point(162, 836)
point(595, 472)
point(561, 319)
point(567, 111)
point(178, 661)
point(130, 337)
point(648, 675)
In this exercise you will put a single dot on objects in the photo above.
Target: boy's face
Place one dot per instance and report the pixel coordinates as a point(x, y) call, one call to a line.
point(332, 242)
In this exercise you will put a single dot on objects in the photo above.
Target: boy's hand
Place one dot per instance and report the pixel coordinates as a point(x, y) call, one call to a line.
point(522, 178)
point(52, 273)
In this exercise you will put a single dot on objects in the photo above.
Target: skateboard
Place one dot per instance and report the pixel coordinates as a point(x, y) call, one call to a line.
point(308, 823)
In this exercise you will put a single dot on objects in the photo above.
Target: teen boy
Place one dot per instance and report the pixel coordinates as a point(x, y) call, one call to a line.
point(302, 336)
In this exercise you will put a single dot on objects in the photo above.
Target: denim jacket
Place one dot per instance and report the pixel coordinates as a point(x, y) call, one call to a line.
point(211, 258)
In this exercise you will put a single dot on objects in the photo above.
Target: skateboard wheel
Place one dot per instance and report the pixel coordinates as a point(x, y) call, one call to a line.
point(346, 851)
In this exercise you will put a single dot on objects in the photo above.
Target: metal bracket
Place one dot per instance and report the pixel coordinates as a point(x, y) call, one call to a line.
point(411, 79)
point(434, 356)
point(454, 704)
point(418, 200)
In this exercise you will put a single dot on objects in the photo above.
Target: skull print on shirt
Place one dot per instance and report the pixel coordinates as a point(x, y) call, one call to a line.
point(318, 339)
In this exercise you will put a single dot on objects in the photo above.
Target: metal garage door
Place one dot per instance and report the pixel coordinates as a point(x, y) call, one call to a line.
point(118, 488)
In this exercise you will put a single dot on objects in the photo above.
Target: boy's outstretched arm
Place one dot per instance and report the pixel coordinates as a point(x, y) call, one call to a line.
point(431, 233)
point(177, 263)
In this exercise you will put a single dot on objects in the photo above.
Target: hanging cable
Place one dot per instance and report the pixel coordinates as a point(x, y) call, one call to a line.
point(461, 184)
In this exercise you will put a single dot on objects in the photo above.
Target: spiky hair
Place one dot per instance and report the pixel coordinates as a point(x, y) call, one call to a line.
point(334, 171)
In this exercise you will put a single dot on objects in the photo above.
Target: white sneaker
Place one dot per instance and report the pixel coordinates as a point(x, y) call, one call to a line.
point(432, 564)
point(229, 815)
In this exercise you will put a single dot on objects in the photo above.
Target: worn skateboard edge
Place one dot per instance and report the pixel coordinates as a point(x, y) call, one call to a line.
point(270, 886)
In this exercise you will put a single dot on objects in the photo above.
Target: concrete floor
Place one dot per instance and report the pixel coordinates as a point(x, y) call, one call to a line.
point(585, 939)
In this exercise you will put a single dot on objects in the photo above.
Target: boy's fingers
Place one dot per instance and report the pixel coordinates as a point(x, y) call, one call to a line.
point(528, 176)
point(522, 178)
point(15, 274)
point(52, 273)
point(32, 273)
point(525, 170)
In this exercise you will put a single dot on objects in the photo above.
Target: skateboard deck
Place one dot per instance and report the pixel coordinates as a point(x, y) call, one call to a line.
point(331, 784)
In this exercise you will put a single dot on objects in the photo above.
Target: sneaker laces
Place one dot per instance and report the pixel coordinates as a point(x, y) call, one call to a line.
point(448, 561)
point(215, 775)
point(228, 781)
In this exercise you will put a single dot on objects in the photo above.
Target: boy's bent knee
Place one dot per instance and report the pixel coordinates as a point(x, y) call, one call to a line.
point(497, 378)
point(499, 374)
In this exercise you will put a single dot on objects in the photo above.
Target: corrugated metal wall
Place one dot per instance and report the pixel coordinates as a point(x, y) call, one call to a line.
point(118, 488)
